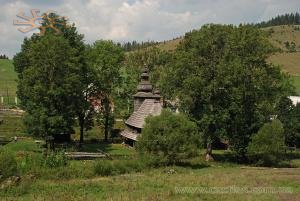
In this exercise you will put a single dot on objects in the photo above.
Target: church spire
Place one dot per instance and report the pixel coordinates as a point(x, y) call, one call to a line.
point(145, 85)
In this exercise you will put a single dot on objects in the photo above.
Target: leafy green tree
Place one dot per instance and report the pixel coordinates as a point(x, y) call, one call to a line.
point(268, 143)
point(124, 90)
point(296, 115)
point(53, 24)
point(105, 58)
point(21, 60)
point(154, 58)
point(47, 86)
point(170, 137)
point(223, 82)
point(81, 103)
point(290, 118)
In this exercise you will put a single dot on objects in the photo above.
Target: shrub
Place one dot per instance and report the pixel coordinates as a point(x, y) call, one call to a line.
point(267, 146)
point(8, 164)
point(169, 138)
point(55, 159)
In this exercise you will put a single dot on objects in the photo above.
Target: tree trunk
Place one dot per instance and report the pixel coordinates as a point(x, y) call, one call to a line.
point(208, 156)
point(106, 128)
point(106, 118)
point(81, 124)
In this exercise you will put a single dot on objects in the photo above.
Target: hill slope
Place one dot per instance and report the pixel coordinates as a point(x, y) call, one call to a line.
point(8, 84)
point(279, 35)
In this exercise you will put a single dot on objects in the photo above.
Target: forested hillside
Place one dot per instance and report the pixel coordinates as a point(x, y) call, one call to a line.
point(286, 19)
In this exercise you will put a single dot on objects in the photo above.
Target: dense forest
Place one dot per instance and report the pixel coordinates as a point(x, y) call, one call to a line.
point(286, 19)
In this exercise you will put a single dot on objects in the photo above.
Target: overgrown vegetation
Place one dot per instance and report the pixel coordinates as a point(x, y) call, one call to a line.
point(109, 168)
point(8, 164)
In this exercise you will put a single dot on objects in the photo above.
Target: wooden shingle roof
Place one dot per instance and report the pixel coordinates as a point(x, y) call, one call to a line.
point(129, 134)
point(148, 107)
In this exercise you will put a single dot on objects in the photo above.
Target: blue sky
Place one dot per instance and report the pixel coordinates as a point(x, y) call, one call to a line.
point(142, 20)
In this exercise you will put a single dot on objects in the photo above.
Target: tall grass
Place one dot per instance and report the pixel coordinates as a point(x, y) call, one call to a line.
point(107, 167)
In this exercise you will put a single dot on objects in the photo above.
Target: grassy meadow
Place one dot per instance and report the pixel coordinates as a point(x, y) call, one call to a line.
point(279, 35)
point(289, 61)
point(12, 125)
point(80, 180)
point(8, 84)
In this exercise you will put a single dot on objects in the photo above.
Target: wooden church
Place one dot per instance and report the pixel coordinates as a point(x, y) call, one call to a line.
point(146, 102)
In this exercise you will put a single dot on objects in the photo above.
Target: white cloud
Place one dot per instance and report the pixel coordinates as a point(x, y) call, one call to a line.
point(124, 20)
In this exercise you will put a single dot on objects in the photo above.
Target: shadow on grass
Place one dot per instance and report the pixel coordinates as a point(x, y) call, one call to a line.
point(95, 147)
point(230, 157)
point(100, 147)
point(191, 165)
point(113, 150)
point(257, 160)
point(293, 155)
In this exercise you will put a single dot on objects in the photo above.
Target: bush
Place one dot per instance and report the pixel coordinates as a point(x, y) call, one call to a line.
point(8, 164)
point(169, 138)
point(55, 159)
point(267, 146)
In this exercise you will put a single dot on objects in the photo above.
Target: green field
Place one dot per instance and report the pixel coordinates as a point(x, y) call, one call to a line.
point(78, 180)
point(11, 126)
point(8, 84)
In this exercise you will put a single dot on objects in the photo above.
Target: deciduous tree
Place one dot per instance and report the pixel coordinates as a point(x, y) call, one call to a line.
point(224, 83)
point(105, 58)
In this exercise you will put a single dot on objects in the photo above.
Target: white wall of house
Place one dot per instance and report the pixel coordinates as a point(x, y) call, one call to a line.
point(295, 99)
